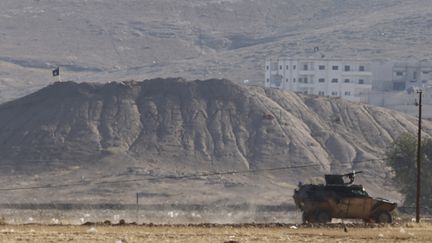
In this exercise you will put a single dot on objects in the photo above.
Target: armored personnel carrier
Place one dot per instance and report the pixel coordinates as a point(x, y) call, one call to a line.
point(342, 199)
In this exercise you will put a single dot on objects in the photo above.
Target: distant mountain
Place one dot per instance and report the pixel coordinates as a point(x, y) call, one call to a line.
point(113, 40)
point(175, 127)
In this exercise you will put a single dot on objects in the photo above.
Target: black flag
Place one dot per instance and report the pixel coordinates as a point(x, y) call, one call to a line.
point(56, 72)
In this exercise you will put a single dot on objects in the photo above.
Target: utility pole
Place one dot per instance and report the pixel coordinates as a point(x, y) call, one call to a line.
point(137, 207)
point(418, 156)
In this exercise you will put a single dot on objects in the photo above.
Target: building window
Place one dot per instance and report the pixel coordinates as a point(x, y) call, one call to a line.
point(280, 67)
point(321, 80)
point(267, 67)
point(300, 80)
point(399, 73)
point(305, 67)
point(268, 80)
point(415, 75)
point(287, 80)
point(361, 81)
point(305, 80)
point(335, 80)
point(361, 68)
point(321, 93)
point(424, 81)
point(335, 68)
point(294, 80)
point(334, 93)
point(305, 92)
point(347, 68)
point(287, 67)
point(294, 67)
point(321, 67)
point(347, 93)
point(399, 86)
point(346, 81)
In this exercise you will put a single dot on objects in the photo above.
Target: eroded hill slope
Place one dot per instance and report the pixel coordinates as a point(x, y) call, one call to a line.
point(74, 140)
point(212, 124)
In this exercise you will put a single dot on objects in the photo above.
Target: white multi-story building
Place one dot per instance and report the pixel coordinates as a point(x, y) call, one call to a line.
point(349, 79)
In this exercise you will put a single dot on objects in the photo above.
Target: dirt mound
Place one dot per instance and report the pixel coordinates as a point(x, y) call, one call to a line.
point(177, 127)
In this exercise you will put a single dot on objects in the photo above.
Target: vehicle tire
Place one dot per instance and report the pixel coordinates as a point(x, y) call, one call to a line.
point(306, 218)
point(383, 217)
point(323, 217)
point(368, 221)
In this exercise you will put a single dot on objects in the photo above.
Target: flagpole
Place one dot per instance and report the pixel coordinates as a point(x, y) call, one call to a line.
point(56, 72)
point(59, 75)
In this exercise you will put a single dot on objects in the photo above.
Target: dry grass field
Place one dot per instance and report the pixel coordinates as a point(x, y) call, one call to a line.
point(289, 233)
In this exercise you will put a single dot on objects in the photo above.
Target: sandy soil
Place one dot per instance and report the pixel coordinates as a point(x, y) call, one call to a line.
point(40, 233)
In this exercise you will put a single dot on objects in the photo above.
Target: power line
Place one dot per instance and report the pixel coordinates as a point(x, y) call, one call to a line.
point(13, 163)
point(173, 177)
point(72, 160)
point(156, 178)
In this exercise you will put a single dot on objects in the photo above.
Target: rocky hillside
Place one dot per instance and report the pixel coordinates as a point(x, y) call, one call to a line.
point(108, 40)
point(69, 131)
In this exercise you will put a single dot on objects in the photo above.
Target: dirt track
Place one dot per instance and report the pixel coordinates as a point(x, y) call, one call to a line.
point(132, 233)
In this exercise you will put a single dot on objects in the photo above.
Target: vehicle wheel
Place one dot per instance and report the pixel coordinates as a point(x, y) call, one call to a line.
point(306, 218)
point(367, 221)
point(323, 217)
point(383, 217)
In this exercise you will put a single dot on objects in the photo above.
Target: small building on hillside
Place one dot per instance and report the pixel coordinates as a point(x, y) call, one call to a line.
point(400, 76)
point(394, 86)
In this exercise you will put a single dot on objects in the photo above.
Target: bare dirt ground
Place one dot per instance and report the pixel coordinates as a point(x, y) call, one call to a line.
point(262, 233)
